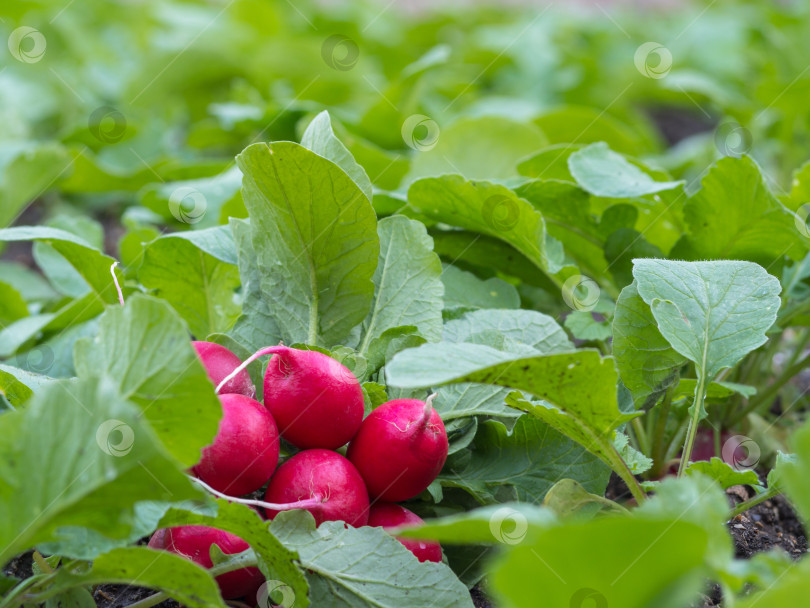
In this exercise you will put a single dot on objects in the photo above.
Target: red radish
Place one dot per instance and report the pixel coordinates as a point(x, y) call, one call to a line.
point(194, 543)
point(244, 453)
point(400, 449)
point(219, 362)
point(322, 482)
point(316, 401)
point(388, 515)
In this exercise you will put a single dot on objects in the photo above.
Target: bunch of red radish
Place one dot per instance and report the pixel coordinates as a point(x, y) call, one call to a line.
point(316, 404)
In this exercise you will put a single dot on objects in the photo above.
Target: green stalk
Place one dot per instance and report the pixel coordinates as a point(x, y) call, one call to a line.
point(641, 436)
point(700, 391)
point(753, 502)
point(659, 449)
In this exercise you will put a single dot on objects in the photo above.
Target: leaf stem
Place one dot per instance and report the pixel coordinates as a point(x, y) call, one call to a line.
point(267, 350)
point(753, 502)
point(658, 447)
point(700, 391)
point(117, 286)
point(306, 503)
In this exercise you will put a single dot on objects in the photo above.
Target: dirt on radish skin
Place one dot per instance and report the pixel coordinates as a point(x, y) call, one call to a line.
point(219, 361)
point(327, 477)
point(389, 515)
point(316, 401)
point(400, 449)
point(194, 543)
point(244, 452)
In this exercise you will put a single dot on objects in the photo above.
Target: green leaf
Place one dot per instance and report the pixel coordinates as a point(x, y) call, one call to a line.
point(144, 348)
point(463, 400)
point(581, 384)
point(78, 597)
point(713, 313)
point(793, 472)
point(257, 327)
point(522, 464)
point(583, 326)
point(29, 283)
point(315, 237)
point(365, 567)
point(463, 290)
point(630, 563)
point(276, 561)
point(176, 575)
point(200, 202)
point(603, 172)
point(78, 455)
point(528, 327)
point(579, 388)
point(647, 364)
point(715, 390)
point(27, 170)
point(698, 500)
point(482, 207)
point(735, 216)
point(789, 589)
point(321, 139)
point(478, 148)
point(489, 525)
point(589, 125)
point(568, 497)
point(408, 284)
point(199, 285)
point(723, 473)
point(12, 305)
point(17, 385)
point(59, 271)
point(91, 264)
point(550, 163)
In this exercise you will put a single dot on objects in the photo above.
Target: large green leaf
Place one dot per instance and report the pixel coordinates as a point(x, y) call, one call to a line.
point(522, 464)
point(12, 305)
point(713, 313)
point(321, 139)
point(612, 561)
point(482, 207)
point(145, 349)
point(89, 262)
point(603, 172)
point(408, 285)
point(528, 327)
point(578, 389)
point(789, 589)
point(276, 561)
point(187, 270)
point(365, 567)
point(647, 364)
point(78, 455)
point(735, 216)
point(257, 326)
point(581, 383)
point(177, 576)
point(315, 238)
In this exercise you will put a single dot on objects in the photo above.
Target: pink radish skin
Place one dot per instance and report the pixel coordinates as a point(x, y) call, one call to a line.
point(316, 401)
point(244, 453)
point(194, 543)
point(326, 480)
point(400, 449)
point(219, 362)
point(388, 515)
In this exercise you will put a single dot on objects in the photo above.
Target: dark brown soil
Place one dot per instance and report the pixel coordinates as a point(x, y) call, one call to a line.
point(479, 599)
point(119, 596)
